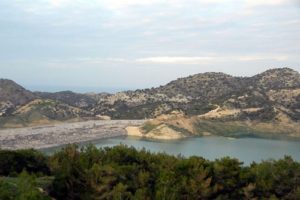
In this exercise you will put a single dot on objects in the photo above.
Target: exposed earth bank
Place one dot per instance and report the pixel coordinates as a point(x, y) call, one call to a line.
point(221, 122)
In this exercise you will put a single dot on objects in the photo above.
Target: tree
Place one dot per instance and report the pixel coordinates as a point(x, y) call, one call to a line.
point(27, 188)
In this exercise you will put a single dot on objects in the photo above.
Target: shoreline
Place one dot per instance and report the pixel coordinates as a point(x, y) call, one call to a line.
point(50, 150)
point(43, 137)
point(58, 135)
point(166, 134)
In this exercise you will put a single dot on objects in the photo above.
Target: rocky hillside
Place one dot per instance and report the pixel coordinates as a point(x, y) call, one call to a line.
point(273, 95)
point(70, 98)
point(11, 96)
point(20, 107)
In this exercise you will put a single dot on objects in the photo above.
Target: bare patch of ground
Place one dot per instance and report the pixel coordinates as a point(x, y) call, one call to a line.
point(161, 132)
point(45, 136)
point(223, 112)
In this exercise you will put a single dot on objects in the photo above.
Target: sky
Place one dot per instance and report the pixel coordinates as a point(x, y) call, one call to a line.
point(110, 45)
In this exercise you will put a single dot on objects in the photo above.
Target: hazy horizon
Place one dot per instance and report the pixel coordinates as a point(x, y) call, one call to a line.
point(96, 89)
point(77, 89)
point(140, 44)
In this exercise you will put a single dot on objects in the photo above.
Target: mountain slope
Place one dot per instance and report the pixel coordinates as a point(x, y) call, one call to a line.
point(16, 94)
point(20, 107)
point(43, 111)
point(70, 98)
point(12, 95)
point(265, 105)
point(272, 96)
point(273, 91)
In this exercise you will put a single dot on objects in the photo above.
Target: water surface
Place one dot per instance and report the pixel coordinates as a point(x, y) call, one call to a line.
point(245, 149)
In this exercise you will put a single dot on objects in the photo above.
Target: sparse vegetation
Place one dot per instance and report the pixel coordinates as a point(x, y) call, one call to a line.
point(196, 94)
point(179, 129)
point(148, 126)
point(275, 91)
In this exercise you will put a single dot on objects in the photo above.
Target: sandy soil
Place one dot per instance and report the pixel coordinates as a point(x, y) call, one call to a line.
point(134, 131)
point(162, 132)
point(222, 112)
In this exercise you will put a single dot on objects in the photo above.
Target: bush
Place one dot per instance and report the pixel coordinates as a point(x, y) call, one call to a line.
point(14, 162)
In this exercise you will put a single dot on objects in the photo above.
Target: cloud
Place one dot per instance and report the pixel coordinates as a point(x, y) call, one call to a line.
point(150, 32)
point(253, 3)
point(59, 3)
point(175, 60)
point(209, 59)
point(82, 62)
point(117, 4)
point(109, 4)
point(264, 57)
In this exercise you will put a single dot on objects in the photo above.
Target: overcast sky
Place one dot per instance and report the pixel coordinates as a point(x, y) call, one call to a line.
point(141, 43)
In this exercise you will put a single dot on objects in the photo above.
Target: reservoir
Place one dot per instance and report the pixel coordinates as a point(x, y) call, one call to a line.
point(246, 150)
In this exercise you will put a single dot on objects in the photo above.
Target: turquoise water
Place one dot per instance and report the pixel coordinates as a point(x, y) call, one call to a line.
point(246, 150)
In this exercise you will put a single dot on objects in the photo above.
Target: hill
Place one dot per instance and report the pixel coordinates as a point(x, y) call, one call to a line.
point(70, 98)
point(12, 95)
point(269, 97)
point(271, 93)
point(20, 107)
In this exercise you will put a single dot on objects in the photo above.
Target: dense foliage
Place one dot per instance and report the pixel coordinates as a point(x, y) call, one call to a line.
point(125, 173)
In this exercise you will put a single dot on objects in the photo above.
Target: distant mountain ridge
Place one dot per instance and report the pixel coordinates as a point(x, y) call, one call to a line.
point(70, 98)
point(271, 95)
